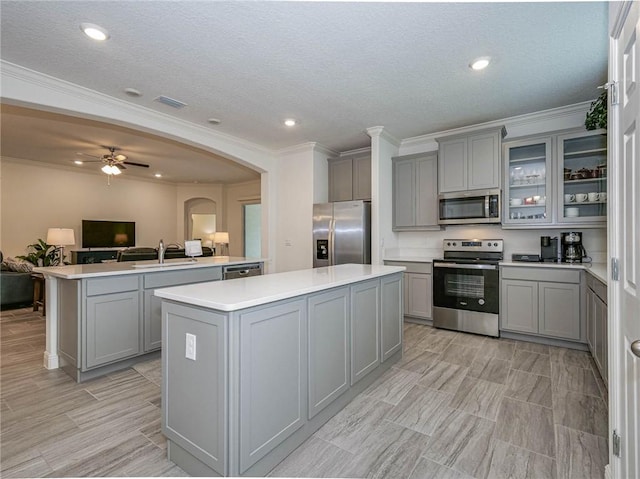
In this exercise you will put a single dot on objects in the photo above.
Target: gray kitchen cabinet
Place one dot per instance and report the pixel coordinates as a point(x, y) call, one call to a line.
point(329, 348)
point(273, 380)
point(519, 311)
point(415, 192)
point(470, 161)
point(542, 301)
point(597, 335)
point(350, 178)
point(418, 288)
point(152, 305)
point(390, 315)
point(365, 328)
point(112, 328)
point(198, 384)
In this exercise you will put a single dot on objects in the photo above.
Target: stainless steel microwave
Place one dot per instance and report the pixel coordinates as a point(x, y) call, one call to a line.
point(469, 207)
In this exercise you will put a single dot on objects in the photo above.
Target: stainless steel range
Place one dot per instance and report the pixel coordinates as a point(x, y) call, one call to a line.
point(466, 286)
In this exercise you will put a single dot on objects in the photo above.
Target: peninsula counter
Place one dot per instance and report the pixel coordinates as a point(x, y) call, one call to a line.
point(102, 316)
point(252, 367)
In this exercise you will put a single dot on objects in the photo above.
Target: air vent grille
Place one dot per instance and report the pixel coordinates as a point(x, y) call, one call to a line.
point(170, 102)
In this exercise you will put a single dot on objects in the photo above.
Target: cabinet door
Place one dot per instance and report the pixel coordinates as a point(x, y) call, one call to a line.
point(600, 354)
point(390, 315)
point(362, 178)
point(273, 381)
point(426, 196)
point(582, 193)
point(365, 328)
point(483, 167)
point(328, 340)
point(419, 294)
point(559, 305)
point(404, 196)
point(340, 179)
point(591, 321)
point(519, 300)
point(152, 321)
point(452, 165)
point(113, 328)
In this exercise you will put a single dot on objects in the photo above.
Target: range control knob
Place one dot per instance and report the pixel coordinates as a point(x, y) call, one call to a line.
point(495, 244)
point(481, 302)
point(448, 243)
point(488, 244)
point(454, 243)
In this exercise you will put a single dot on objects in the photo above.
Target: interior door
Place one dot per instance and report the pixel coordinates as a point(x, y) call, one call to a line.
point(624, 238)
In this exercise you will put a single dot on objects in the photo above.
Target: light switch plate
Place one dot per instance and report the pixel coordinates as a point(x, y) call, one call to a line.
point(190, 349)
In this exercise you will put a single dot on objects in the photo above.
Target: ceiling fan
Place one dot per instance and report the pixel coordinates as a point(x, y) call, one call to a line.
point(113, 162)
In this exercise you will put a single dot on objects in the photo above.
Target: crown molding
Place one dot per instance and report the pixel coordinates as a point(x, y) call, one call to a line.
point(24, 87)
point(379, 131)
point(519, 121)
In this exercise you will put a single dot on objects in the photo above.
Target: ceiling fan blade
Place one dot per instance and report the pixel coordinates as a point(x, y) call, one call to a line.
point(90, 156)
point(120, 158)
point(142, 165)
point(120, 165)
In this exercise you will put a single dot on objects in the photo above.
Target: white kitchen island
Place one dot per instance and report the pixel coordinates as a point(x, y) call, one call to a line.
point(252, 367)
point(103, 316)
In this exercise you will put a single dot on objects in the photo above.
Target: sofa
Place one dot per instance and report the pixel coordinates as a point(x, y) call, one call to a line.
point(142, 254)
point(16, 287)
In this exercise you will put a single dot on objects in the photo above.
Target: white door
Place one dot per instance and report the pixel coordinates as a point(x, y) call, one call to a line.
point(624, 239)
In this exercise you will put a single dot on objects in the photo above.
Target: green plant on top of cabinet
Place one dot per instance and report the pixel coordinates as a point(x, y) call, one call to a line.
point(350, 178)
point(470, 161)
point(527, 182)
point(582, 169)
point(415, 192)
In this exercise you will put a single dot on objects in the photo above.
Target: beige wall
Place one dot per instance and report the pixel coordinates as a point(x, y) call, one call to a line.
point(35, 197)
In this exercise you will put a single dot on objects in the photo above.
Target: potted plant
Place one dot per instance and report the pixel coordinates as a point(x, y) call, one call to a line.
point(597, 115)
point(41, 254)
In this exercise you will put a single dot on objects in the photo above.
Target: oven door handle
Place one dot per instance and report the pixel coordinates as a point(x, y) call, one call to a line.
point(465, 266)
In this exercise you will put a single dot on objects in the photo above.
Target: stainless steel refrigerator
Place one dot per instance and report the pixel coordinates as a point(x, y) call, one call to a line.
point(341, 233)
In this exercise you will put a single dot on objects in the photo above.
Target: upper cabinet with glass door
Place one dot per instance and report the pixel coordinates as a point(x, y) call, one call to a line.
point(527, 192)
point(582, 169)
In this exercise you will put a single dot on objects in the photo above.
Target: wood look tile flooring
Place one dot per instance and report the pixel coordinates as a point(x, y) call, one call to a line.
point(455, 406)
point(465, 406)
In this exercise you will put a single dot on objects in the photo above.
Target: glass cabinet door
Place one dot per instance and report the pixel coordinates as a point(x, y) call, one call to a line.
point(528, 194)
point(582, 192)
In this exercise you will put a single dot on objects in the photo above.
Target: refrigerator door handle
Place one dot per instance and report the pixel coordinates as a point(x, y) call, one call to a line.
point(332, 238)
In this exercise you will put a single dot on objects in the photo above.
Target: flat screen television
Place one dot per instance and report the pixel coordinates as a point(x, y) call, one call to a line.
point(108, 234)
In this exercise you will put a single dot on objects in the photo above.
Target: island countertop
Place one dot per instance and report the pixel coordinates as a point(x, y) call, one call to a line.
point(94, 270)
point(247, 292)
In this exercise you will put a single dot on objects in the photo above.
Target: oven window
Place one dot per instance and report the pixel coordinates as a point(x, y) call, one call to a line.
point(464, 285)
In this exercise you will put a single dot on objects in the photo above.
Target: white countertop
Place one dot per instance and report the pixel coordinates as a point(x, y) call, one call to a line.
point(243, 293)
point(598, 270)
point(95, 270)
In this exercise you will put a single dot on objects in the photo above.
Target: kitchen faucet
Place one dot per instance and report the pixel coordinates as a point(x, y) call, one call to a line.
point(161, 251)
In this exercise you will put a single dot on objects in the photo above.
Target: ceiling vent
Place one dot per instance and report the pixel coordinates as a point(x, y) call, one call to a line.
point(170, 102)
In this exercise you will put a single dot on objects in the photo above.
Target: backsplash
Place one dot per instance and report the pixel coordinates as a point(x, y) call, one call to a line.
point(429, 243)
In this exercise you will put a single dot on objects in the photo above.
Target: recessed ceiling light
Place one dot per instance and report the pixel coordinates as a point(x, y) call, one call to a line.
point(78, 162)
point(96, 32)
point(290, 122)
point(133, 92)
point(158, 175)
point(480, 63)
point(214, 121)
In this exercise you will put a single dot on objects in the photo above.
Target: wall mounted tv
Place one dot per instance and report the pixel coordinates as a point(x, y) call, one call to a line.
point(108, 234)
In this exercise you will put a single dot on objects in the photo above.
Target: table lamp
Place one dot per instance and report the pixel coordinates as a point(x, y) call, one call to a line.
point(60, 237)
point(222, 238)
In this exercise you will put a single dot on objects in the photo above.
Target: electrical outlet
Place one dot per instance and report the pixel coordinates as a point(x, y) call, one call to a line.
point(190, 349)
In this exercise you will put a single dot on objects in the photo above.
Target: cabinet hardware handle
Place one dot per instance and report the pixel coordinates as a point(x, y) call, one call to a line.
point(635, 347)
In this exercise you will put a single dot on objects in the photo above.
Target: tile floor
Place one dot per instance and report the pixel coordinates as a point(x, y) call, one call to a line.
point(460, 406)
point(456, 406)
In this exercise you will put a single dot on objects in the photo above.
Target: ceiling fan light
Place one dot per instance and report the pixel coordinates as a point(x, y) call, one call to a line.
point(115, 170)
point(111, 170)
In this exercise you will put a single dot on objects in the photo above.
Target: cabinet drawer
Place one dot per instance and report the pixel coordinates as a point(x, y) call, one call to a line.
point(555, 275)
point(598, 287)
point(412, 267)
point(175, 278)
point(115, 284)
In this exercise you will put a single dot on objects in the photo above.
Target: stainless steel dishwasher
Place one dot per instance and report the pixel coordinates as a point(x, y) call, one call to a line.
point(241, 271)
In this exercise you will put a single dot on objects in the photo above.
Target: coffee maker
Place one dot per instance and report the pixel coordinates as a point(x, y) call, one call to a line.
point(548, 249)
point(572, 249)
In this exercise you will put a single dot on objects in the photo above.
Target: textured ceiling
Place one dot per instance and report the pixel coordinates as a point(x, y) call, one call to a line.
point(337, 67)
